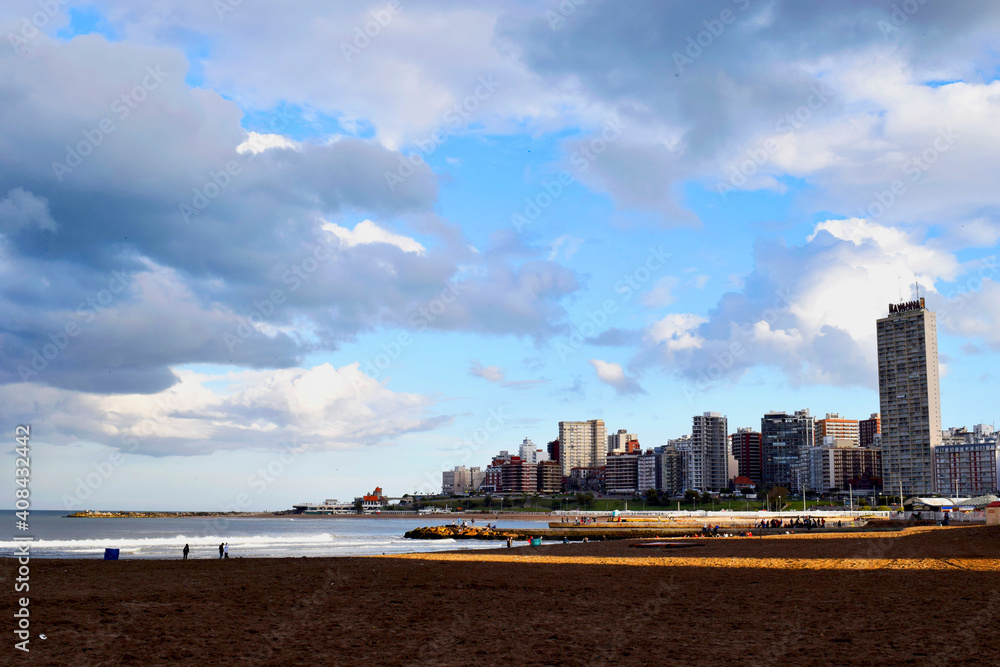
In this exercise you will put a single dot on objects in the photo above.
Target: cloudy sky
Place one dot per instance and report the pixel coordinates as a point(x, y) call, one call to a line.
point(254, 254)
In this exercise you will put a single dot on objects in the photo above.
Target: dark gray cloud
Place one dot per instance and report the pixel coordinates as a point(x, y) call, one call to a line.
point(135, 237)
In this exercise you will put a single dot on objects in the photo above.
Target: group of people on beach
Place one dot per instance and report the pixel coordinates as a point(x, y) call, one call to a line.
point(223, 550)
point(798, 522)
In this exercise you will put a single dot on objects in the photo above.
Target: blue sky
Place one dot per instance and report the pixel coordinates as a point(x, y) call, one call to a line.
point(317, 263)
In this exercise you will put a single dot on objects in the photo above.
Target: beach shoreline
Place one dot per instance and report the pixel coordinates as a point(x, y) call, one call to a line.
point(807, 599)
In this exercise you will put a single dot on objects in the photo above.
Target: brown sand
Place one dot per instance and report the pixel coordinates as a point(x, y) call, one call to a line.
point(924, 597)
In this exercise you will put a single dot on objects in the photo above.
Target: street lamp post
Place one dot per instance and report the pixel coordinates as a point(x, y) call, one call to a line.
point(850, 491)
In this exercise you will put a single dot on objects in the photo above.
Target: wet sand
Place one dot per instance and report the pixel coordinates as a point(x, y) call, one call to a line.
point(927, 596)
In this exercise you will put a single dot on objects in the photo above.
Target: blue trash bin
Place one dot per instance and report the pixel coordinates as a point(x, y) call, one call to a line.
point(111, 554)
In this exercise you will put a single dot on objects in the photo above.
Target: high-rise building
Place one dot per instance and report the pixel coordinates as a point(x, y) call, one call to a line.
point(621, 473)
point(833, 426)
point(747, 452)
point(968, 463)
point(553, 449)
point(909, 391)
point(868, 429)
point(549, 477)
point(683, 447)
point(531, 454)
point(838, 463)
point(618, 442)
point(671, 470)
point(785, 443)
point(519, 476)
point(648, 476)
point(709, 459)
point(582, 445)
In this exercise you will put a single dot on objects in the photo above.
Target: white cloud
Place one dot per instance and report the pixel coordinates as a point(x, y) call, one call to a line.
point(258, 143)
point(366, 232)
point(21, 208)
point(613, 374)
point(315, 408)
point(810, 310)
point(677, 331)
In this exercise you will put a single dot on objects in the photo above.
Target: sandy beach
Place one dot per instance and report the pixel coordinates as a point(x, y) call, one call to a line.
point(927, 596)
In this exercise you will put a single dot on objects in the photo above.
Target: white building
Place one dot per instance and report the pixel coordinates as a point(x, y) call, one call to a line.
point(617, 442)
point(582, 445)
point(531, 454)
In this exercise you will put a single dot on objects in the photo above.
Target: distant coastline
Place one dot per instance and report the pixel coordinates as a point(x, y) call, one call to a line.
point(123, 514)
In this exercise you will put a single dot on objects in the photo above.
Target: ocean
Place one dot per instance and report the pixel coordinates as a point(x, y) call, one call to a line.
point(58, 537)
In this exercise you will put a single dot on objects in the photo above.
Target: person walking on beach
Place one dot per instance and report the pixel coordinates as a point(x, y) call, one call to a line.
point(186, 550)
point(221, 546)
point(226, 550)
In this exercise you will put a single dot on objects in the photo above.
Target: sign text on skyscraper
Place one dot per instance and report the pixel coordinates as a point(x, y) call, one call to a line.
point(916, 304)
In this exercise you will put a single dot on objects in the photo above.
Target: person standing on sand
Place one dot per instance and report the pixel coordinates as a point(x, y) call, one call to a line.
point(226, 550)
point(186, 550)
point(221, 546)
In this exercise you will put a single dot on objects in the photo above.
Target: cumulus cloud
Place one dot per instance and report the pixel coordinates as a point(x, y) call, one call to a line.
point(613, 374)
point(366, 232)
point(216, 241)
point(312, 408)
point(810, 310)
point(21, 208)
point(258, 143)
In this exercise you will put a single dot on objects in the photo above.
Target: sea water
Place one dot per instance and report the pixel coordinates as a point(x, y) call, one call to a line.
point(56, 536)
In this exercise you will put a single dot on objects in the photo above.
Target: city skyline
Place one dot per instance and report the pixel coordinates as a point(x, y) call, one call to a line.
point(252, 256)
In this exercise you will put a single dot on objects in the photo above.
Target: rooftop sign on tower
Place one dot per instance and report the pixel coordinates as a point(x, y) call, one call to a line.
point(896, 308)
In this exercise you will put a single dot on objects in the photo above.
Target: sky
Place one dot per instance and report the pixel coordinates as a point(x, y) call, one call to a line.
point(255, 254)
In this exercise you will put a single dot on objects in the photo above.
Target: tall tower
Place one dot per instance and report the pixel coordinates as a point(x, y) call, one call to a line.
point(709, 460)
point(909, 391)
point(582, 444)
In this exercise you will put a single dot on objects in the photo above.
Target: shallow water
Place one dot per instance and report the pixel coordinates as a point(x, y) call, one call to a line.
point(58, 537)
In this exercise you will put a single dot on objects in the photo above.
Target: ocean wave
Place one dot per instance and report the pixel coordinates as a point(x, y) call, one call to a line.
point(194, 541)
